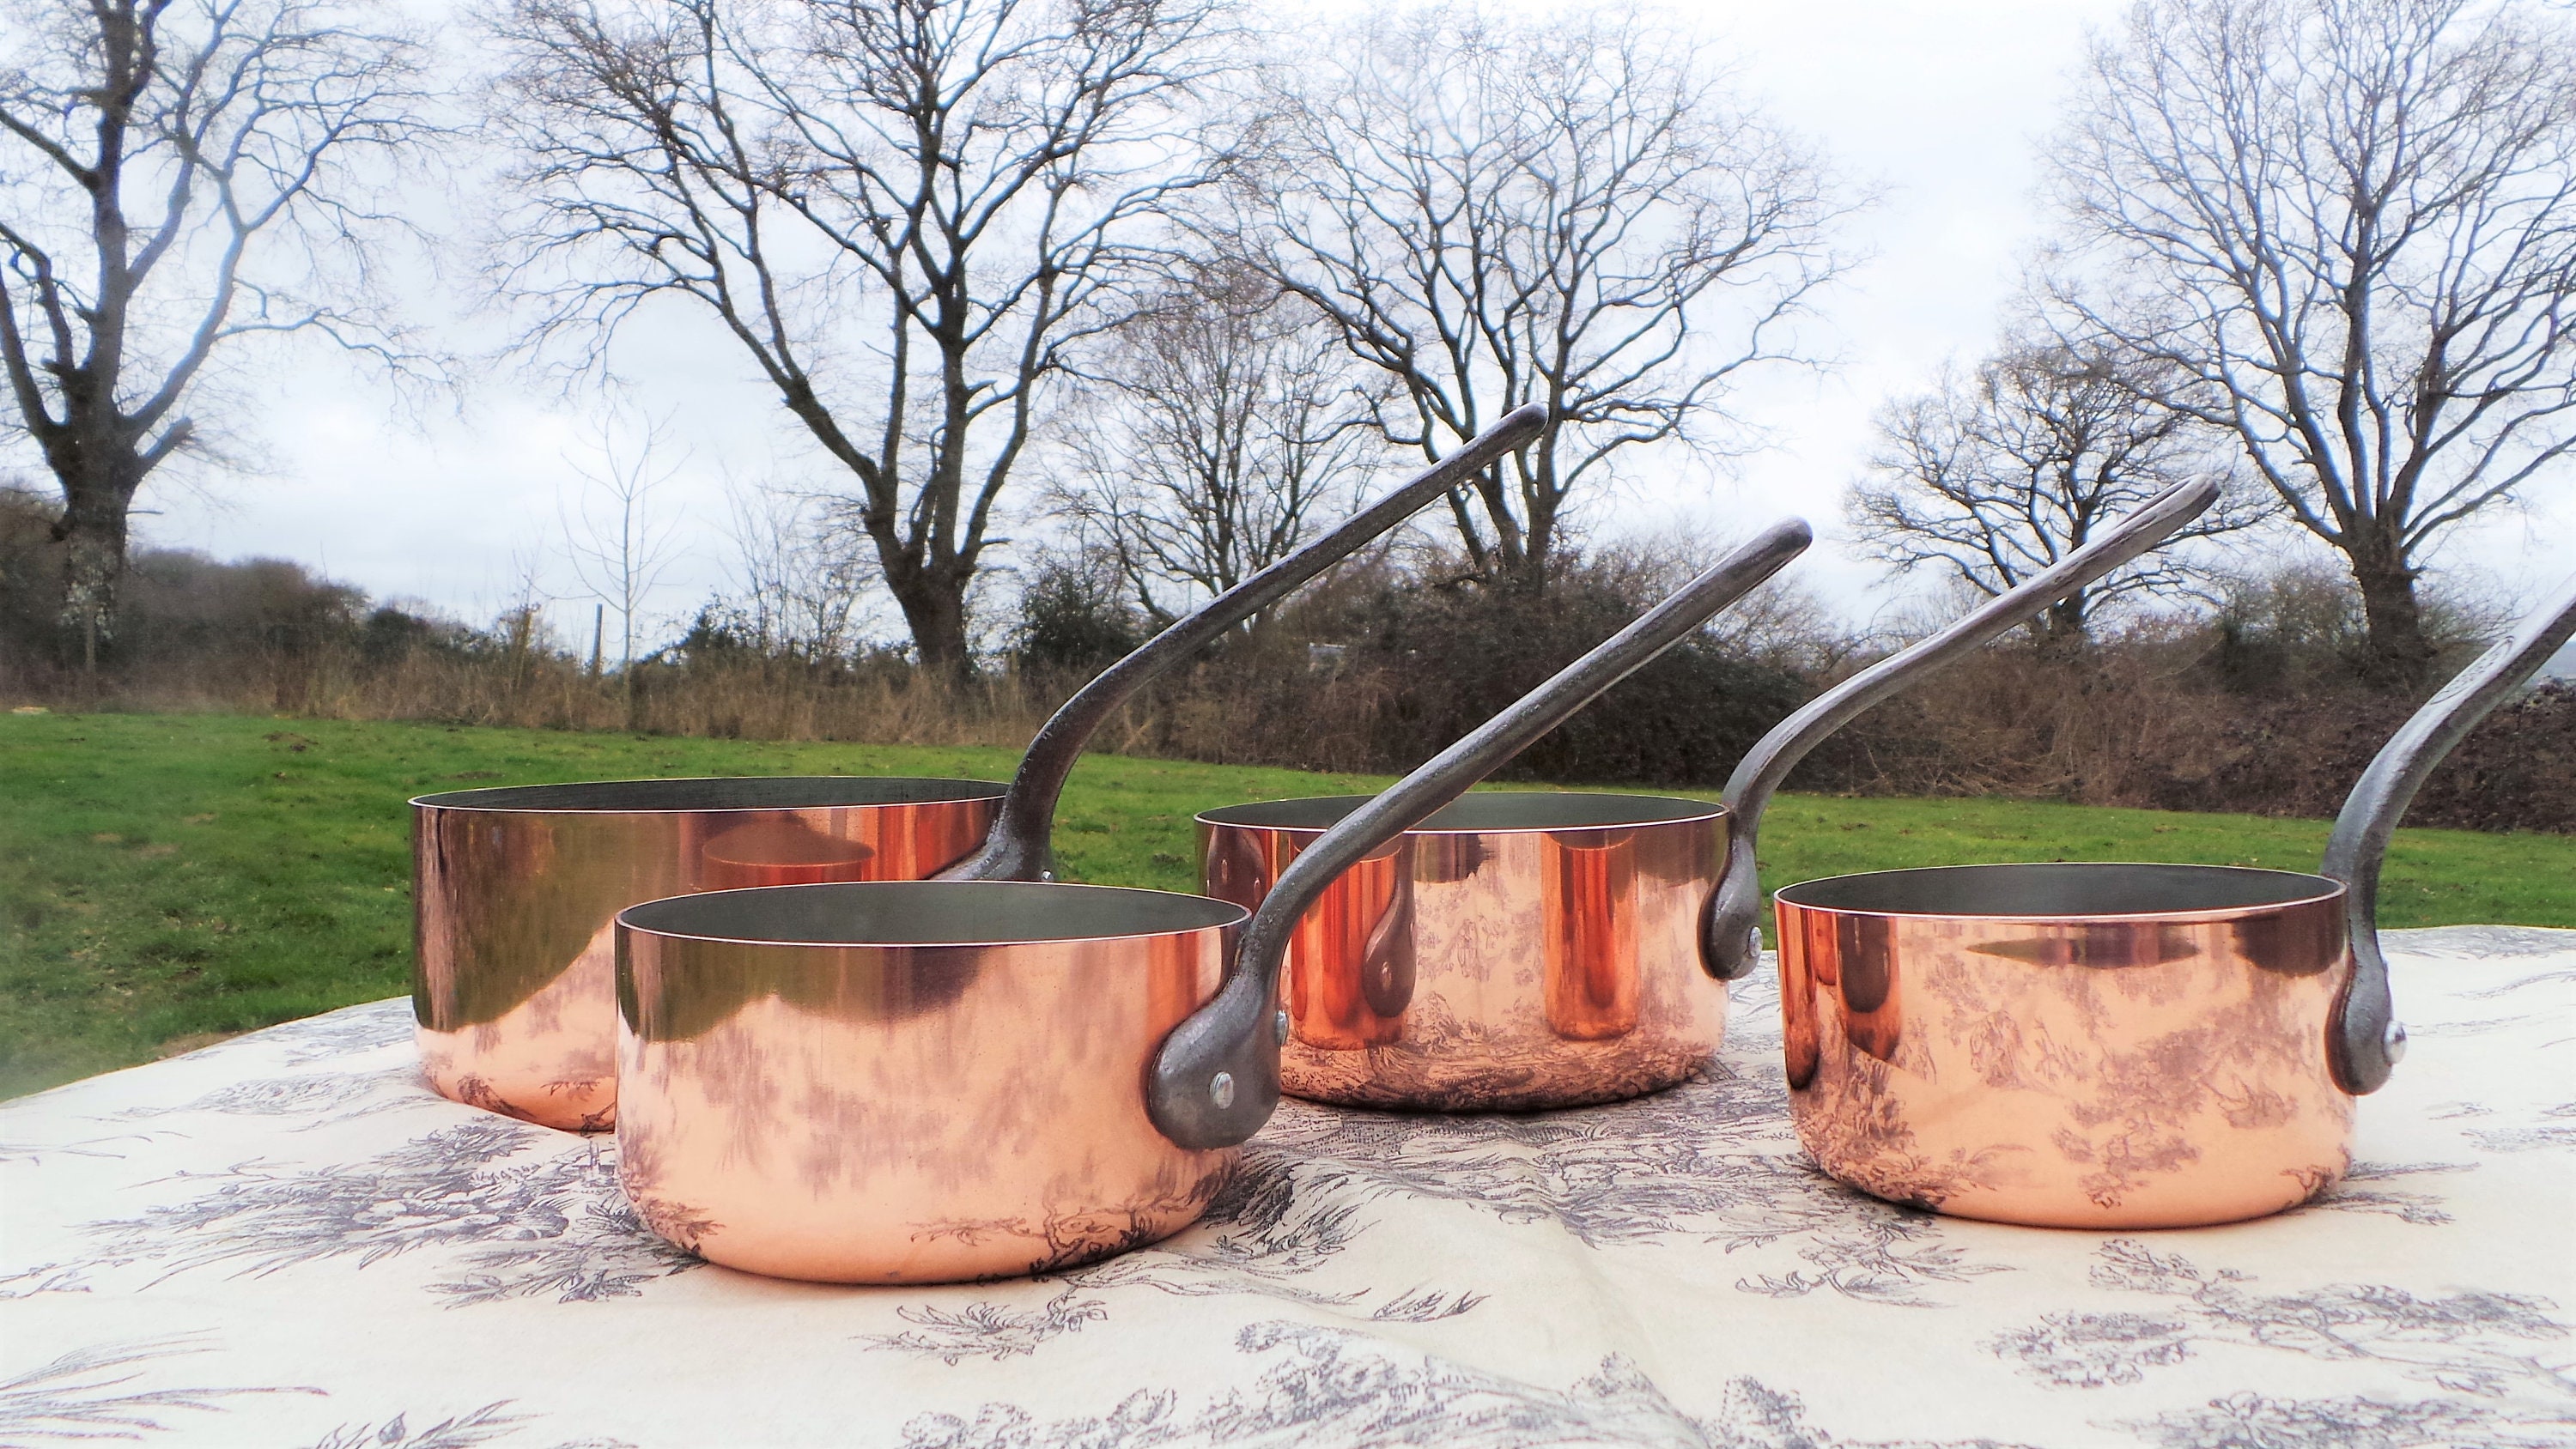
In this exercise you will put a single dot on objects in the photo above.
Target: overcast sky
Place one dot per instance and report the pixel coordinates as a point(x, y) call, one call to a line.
point(1937, 102)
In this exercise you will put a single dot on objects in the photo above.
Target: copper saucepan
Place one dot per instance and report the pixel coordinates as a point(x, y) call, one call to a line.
point(1526, 949)
point(2105, 1046)
point(940, 1080)
point(515, 888)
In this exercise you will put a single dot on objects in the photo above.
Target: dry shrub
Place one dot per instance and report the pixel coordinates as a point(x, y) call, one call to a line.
point(2152, 722)
point(2014, 720)
point(2255, 710)
point(779, 700)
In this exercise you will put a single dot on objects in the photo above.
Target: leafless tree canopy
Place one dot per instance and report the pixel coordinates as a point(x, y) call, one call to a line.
point(2350, 226)
point(1994, 477)
point(1570, 211)
point(796, 582)
point(1220, 428)
point(619, 541)
point(903, 214)
point(176, 175)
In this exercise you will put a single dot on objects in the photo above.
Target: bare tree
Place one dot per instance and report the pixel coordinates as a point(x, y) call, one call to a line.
point(1220, 423)
point(619, 544)
point(176, 177)
point(796, 580)
point(903, 214)
point(519, 630)
point(1571, 211)
point(1995, 477)
point(2350, 227)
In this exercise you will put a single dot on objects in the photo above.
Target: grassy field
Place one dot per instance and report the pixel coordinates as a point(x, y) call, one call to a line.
point(166, 880)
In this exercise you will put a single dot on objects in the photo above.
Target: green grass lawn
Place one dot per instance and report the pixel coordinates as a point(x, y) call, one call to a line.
point(169, 879)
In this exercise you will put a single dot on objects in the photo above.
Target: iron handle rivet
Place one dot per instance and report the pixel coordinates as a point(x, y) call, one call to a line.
point(1221, 1090)
point(2396, 1042)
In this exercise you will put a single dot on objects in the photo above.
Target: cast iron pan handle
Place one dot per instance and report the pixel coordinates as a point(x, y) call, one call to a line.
point(1215, 1079)
point(2365, 1041)
point(1020, 845)
point(1730, 938)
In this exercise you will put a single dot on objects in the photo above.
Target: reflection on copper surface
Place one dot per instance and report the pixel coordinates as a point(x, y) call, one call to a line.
point(541, 1061)
point(1358, 950)
point(513, 984)
point(2094, 1074)
point(778, 852)
point(1546, 968)
point(1589, 913)
point(1798, 1043)
point(1864, 977)
point(876, 1114)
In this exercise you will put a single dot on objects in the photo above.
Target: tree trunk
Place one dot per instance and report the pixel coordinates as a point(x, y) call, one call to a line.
point(1510, 554)
point(92, 532)
point(934, 609)
point(2063, 625)
point(1530, 568)
point(2395, 654)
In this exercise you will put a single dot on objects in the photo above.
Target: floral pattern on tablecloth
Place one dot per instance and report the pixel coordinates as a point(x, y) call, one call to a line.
point(287, 1240)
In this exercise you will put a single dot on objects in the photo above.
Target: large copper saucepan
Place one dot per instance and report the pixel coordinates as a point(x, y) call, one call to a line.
point(515, 888)
point(1527, 949)
point(2107, 1046)
point(939, 1080)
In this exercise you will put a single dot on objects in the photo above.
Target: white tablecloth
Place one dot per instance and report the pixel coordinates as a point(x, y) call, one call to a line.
point(285, 1240)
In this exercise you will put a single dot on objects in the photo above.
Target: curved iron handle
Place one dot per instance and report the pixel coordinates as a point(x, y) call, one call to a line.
point(1730, 936)
point(2364, 1042)
point(1215, 1079)
point(1020, 845)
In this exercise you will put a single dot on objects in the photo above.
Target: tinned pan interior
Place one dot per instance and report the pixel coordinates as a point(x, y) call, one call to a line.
point(2060, 891)
point(758, 792)
point(909, 1081)
point(876, 950)
point(928, 913)
point(1479, 812)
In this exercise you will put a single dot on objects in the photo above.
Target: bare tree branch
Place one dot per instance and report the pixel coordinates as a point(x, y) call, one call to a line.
point(213, 165)
point(619, 543)
point(1571, 211)
point(1219, 424)
point(795, 582)
point(2349, 228)
point(904, 214)
point(1995, 477)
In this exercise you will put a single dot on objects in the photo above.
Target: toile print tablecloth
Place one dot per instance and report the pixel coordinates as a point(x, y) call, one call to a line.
point(286, 1240)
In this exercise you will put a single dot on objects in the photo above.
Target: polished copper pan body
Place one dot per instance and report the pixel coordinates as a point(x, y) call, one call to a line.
point(910, 1083)
point(2080, 1046)
point(514, 986)
point(1518, 950)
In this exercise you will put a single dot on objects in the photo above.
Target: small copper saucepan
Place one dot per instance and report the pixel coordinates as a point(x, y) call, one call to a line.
point(925, 1082)
point(2105, 1046)
point(515, 888)
point(1526, 949)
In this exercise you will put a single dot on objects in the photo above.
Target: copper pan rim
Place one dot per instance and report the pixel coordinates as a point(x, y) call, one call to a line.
point(2317, 889)
point(495, 799)
point(1245, 816)
point(910, 897)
